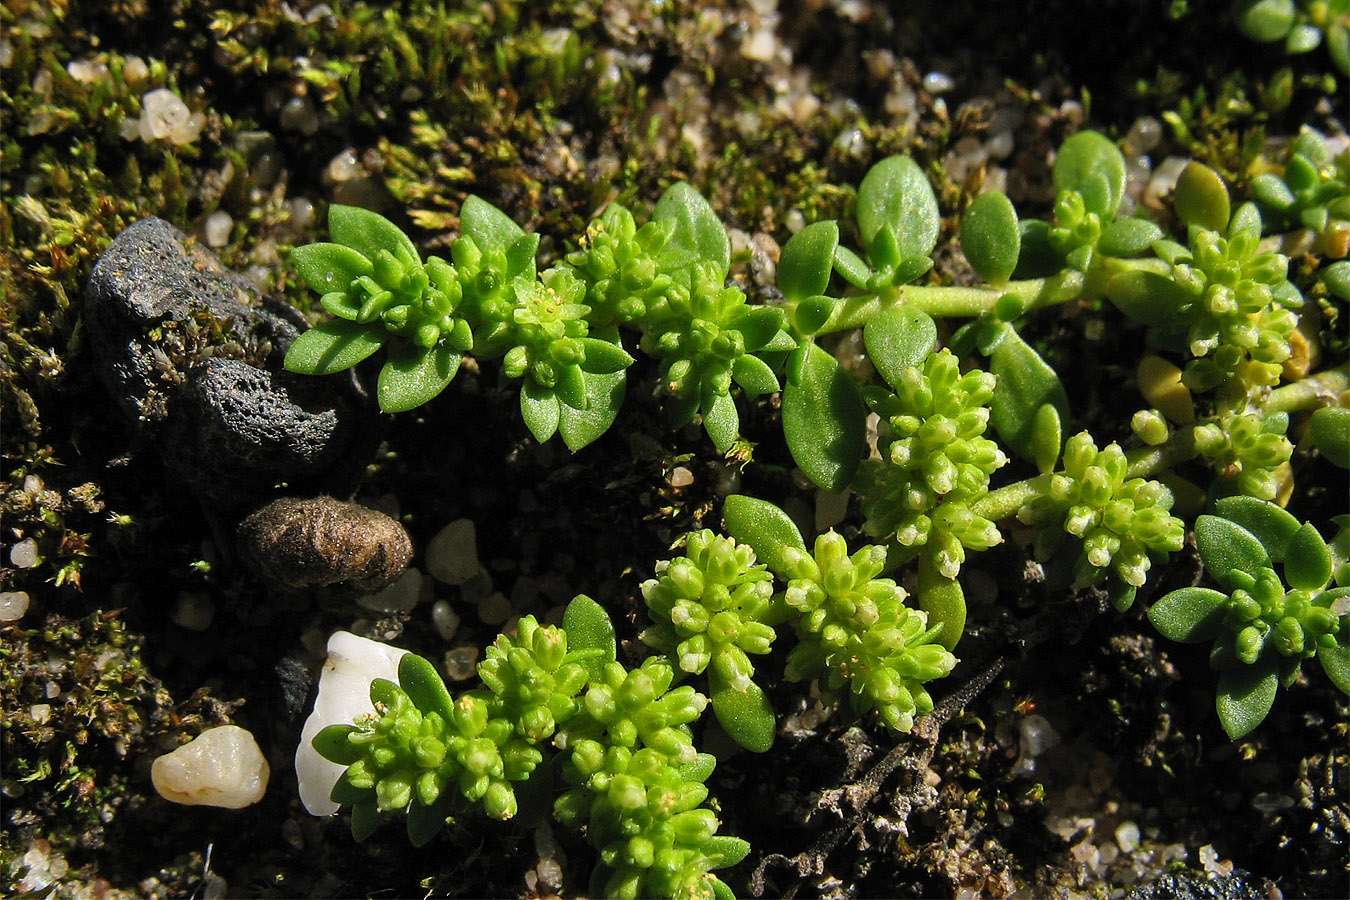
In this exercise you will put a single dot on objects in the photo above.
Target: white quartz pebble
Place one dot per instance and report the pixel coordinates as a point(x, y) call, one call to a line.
point(222, 766)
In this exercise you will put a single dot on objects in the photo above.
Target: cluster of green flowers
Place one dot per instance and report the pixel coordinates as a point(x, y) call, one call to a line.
point(1119, 520)
point(706, 336)
point(637, 786)
point(710, 607)
point(1236, 305)
point(620, 264)
point(934, 461)
point(420, 741)
point(1247, 451)
point(855, 628)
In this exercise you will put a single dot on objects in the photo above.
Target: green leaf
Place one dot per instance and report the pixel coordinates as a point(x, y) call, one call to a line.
point(1047, 437)
point(1264, 20)
point(1037, 258)
point(604, 397)
point(698, 769)
point(758, 324)
point(722, 422)
point(897, 338)
point(807, 259)
point(765, 528)
point(589, 627)
point(424, 686)
point(425, 822)
point(369, 232)
point(412, 376)
point(1336, 663)
point(697, 234)
point(895, 192)
point(332, 744)
point(1270, 524)
point(851, 267)
point(1201, 198)
point(365, 819)
point(344, 793)
point(745, 715)
point(754, 375)
point(1128, 237)
point(1307, 560)
point(725, 850)
point(1330, 431)
point(824, 418)
point(1337, 279)
point(943, 600)
point(603, 357)
point(333, 346)
point(990, 237)
point(520, 256)
point(1025, 384)
point(1190, 615)
point(329, 267)
point(540, 408)
point(811, 314)
point(1225, 547)
point(1146, 297)
point(1089, 157)
point(1245, 696)
point(490, 228)
point(1269, 190)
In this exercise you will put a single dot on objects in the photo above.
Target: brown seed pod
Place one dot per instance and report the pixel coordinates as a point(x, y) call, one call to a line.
point(316, 541)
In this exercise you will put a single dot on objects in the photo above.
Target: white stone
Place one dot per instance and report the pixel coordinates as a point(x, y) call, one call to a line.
point(452, 555)
point(195, 612)
point(24, 554)
point(217, 228)
point(220, 767)
point(344, 696)
point(13, 604)
point(167, 117)
point(446, 620)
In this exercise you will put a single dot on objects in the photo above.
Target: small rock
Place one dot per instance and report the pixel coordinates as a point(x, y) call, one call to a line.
point(452, 555)
point(220, 767)
point(398, 597)
point(344, 696)
point(192, 355)
point(317, 541)
point(13, 604)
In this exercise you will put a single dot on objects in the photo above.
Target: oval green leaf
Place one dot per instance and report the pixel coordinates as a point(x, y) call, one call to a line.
point(1245, 696)
point(589, 627)
point(824, 418)
point(332, 744)
point(1201, 198)
point(412, 376)
point(1086, 157)
point(604, 397)
point(745, 715)
point(697, 234)
point(1226, 546)
point(1128, 237)
point(490, 228)
point(722, 422)
point(1264, 20)
point(1330, 431)
point(368, 233)
point(540, 408)
point(943, 600)
point(1189, 615)
point(1270, 524)
point(333, 346)
point(1025, 384)
point(897, 338)
point(424, 686)
point(329, 267)
point(990, 237)
point(754, 375)
point(1307, 560)
point(763, 527)
point(1147, 297)
point(806, 261)
point(896, 192)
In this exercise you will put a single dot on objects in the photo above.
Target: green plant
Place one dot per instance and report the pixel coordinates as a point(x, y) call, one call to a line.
point(636, 780)
point(1301, 25)
point(1262, 631)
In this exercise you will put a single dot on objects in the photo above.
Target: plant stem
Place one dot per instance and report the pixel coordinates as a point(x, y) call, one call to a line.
point(1319, 389)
